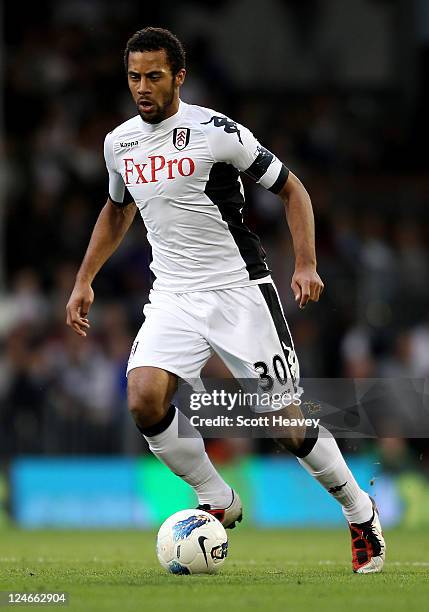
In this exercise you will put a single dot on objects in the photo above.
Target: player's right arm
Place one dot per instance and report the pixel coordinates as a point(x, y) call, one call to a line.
point(112, 224)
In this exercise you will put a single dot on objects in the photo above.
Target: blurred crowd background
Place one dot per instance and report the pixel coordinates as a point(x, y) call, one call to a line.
point(338, 90)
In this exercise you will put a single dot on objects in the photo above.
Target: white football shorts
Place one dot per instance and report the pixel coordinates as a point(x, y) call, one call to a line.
point(245, 326)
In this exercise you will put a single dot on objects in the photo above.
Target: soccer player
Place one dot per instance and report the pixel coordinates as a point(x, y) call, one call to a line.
point(179, 165)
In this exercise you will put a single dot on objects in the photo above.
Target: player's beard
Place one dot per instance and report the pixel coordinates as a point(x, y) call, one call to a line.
point(160, 112)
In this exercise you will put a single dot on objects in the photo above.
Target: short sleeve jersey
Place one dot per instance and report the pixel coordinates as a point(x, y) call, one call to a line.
point(184, 176)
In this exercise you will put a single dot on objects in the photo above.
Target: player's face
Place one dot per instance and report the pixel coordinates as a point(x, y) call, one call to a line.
point(154, 88)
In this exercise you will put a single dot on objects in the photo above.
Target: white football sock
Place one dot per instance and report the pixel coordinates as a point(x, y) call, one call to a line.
point(326, 463)
point(187, 458)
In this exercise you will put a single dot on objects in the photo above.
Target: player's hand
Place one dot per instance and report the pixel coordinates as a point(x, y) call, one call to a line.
point(306, 285)
point(78, 308)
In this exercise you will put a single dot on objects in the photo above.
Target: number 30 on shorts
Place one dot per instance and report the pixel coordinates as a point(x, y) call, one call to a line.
point(280, 372)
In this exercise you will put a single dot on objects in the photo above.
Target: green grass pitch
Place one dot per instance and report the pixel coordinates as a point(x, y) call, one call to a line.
point(281, 570)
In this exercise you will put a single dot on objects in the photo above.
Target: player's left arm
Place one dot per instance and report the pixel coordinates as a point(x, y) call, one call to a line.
point(234, 144)
point(306, 283)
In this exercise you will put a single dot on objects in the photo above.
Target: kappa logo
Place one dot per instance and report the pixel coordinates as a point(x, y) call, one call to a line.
point(336, 489)
point(292, 361)
point(181, 137)
point(125, 145)
point(228, 125)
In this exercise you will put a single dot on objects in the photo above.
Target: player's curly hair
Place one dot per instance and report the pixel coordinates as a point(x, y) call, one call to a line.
point(155, 39)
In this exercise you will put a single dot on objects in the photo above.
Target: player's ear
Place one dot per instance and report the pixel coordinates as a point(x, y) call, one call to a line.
point(180, 77)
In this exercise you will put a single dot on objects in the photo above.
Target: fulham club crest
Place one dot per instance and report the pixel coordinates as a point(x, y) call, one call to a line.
point(181, 137)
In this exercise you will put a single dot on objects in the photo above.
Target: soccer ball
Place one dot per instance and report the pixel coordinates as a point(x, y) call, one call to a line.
point(192, 542)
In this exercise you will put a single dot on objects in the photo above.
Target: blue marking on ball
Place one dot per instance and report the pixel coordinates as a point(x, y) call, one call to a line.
point(182, 529)
point(176, 568)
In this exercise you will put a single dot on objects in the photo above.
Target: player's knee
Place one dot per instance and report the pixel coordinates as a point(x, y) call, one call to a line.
point(293, 442)
point(301, 441)
point(145, 404)
point(150, 391)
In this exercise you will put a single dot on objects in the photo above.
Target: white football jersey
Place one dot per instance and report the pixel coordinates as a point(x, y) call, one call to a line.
point(184, 176)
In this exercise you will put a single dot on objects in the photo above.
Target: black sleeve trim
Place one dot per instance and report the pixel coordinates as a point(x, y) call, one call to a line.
point(260, 165)
point(128, 198)
point(281, 180)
